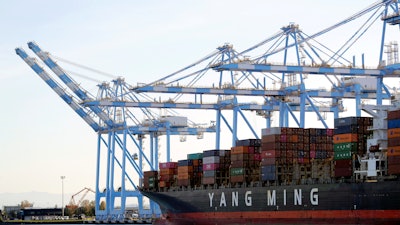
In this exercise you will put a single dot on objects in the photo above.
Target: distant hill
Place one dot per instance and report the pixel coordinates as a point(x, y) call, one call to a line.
point(39, 199)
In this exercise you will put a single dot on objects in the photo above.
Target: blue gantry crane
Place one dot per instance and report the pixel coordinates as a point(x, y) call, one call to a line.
point(227, 81)
point(121, 131)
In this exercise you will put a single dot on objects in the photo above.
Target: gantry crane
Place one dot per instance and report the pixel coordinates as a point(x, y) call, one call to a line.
point(120, 136)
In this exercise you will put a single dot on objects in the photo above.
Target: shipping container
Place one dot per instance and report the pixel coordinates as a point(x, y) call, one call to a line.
point(195, 156)
point(209, 173)
point(246, 164)
point(209, 180)
point(237, 171)
point(185, 169)
point(268, 161)
point(184, 182)
point(249, 142)
point(237, 179)
point(394, 123)
point(268, 169)
point(343, 154)
point(394, 114)
point(185, 162)
point(347, 146)
point(392, 160)
point(211, 159)
point(213, 166)
point(168, 165)
point(344, 138)
point(239, 150)
point(393, 141)
point(393, 133)
point(273, 130)
point(393, 151)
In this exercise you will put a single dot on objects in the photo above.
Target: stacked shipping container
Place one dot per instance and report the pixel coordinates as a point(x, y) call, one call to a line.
point(197, 159)
point(216, 167)
point(350, 138)
point(167, 174)
point(185, 172)
point(150, 180)
point(289, 154)
point(393, 153)
point(245, 161)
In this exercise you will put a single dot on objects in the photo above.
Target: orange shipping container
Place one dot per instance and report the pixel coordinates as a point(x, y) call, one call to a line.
point(393, 133)
point(393, 151)
point(344, 138)
point(183, 176)
point(240, 149)
point(185, 169)
point(167, 171)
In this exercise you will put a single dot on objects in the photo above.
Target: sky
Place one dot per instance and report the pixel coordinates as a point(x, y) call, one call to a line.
point(42, 139)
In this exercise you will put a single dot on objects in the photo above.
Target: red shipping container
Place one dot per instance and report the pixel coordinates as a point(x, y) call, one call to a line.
point(395, 114)
point(183, 182)
point(240, 164)
point(270, 154)
point(393, 160)
point(166, 177)
point(251, 149)
point(344, 163)
point(303, 160)
point(394, 169)
point(209, 180)
point(257, 157)
point(213, 166)
point(313, 154)
point(237, 178)
point(394, 141)
point(168, 165)
point(343, 172)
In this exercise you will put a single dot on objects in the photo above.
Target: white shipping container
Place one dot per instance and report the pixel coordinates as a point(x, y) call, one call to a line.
point(211, 160)
point(272, 130)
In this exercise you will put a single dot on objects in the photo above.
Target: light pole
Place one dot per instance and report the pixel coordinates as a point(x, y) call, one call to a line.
point(62, 195)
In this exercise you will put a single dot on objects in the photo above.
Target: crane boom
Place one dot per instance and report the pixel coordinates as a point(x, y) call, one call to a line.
point(56, 88)
point(68, 81)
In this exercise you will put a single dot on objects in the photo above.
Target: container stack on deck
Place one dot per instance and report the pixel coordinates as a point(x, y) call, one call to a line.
point(283, 156)
point(350, 139)
point(197, 159)
point(393, 153)
point(245, 161)
point(150, 180)
point(216, 167)
point(185, 172)
point(167, 174)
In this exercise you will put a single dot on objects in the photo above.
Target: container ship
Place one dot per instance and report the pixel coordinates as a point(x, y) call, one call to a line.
point(345, 175)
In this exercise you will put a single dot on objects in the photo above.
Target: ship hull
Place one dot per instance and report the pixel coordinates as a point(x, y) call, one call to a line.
point(339, 203)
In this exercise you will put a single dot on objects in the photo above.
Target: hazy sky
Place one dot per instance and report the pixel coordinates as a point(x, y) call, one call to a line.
point(42, 138)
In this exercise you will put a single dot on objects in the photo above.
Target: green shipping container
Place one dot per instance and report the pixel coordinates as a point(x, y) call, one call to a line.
point(338, 155)
point(237, 171)
point(195, 156)
point(349, 146)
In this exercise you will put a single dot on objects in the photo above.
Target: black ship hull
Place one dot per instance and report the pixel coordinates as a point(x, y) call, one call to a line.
point(338, 203)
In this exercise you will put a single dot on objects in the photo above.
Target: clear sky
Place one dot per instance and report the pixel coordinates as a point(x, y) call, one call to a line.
point(42, 138)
